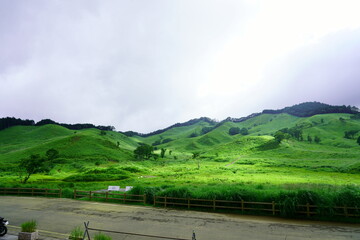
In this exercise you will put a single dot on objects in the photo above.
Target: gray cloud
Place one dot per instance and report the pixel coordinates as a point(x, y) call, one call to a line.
point(144, 65)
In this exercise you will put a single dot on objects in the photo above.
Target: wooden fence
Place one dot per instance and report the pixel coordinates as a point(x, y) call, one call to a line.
point(32, 192)
point(109, 196)
point(271, 208)
point(259, 207)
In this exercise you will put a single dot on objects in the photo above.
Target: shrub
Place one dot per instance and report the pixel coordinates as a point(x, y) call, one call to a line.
point(29, 226)
point(76, 233)
point(101, 236)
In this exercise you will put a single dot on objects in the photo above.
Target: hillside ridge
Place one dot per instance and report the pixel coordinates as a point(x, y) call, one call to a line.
point(306, 109)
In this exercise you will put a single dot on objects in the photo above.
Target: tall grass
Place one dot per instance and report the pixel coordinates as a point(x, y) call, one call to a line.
point(29, 226)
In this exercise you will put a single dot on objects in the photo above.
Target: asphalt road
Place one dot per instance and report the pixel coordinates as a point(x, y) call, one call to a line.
point(61, 215)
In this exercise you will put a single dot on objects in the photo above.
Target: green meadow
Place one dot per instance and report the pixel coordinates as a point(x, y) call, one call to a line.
point(197, 163)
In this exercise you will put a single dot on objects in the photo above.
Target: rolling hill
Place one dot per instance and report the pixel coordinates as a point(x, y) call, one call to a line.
point(253, 157)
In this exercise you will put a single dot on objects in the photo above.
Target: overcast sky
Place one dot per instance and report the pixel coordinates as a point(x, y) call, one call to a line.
point(144, 65)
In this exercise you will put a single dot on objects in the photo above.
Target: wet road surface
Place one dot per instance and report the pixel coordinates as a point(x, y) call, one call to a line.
point(62, 215)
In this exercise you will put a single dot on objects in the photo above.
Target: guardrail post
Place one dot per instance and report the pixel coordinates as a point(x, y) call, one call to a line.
point(60, 194)
point(154, 200)
point(74, 193)
point(46, 192)
point(214, 204)
point(242, 205)
point(165, 200)
point(144, 199)
point(124, 197)
point(188, 200)
point(90, 195)
point(106, 196)
point(32, 191)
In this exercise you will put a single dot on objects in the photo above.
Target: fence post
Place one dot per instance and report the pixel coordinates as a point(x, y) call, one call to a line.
point(273, 207)
point(32, 191)
point(346, 211)
point(308, 210)
point(144, 199)
point(106, 196)
point(46, 192)
point(74, 193)
point(90, 195)
point(214, 204)
point(60, 194)
point(165, 201)
point(242, 205)
point(154, 200)
point(124, 197)
point(188, 203)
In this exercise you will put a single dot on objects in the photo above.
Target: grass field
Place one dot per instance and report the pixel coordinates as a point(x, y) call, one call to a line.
point(253, 165)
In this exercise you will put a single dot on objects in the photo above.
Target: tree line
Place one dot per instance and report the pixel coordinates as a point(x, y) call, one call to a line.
point(309, 109)
point(11, 122)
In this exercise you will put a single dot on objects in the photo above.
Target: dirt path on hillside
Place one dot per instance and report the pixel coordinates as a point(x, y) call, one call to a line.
point(229, 164)
point(61, 215)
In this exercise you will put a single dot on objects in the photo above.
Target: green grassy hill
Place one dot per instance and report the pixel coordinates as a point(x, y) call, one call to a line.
point(19, 142)
point(91, 159)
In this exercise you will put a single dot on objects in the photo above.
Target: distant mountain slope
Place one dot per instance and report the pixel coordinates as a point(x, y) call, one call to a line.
point(330, 128)
point(309, 109)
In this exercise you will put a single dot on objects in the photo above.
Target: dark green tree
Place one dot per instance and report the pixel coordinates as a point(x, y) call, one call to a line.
point(244, 131)
point(166, 140)
point(51, 154)
point(205, 130)
point(144, 151)
point(162, 154)
point(317, 139)
point(234, 130)
point(350, 134)
point(358, 140)
point(279, 136)
point(29, 166)
point(157, 142)
point(309, 138)
point(194, 134)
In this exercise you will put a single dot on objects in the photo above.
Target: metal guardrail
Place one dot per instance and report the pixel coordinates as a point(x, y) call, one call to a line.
point(87, 228)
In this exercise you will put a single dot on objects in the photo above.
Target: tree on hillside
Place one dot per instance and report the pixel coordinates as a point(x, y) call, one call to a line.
point(144, 151)
point(36, 164)
point(279, 136)
point(350, 134)
point(28, 166)
point(244, 131)
point(162, 154)
point(51, 154)
point(196, 155)
point(317, 139)
point(194, 134)
point(309, 138)
point(234, 130)
point(358, 140)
